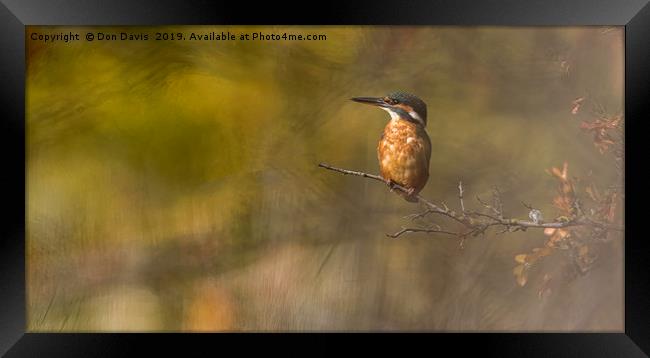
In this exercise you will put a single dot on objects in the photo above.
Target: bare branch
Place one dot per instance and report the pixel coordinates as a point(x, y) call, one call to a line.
point(361, 174)
point(407, 230)
point(471, 220)
point(496, 219)
point(434, 207)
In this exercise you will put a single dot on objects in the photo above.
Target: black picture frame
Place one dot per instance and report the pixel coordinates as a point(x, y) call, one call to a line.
point(16, 14)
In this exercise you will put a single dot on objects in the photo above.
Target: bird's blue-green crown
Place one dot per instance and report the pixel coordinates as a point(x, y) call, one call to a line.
point(411, 100)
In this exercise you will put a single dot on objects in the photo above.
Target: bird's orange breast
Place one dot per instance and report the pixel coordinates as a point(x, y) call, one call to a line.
point(404, 152)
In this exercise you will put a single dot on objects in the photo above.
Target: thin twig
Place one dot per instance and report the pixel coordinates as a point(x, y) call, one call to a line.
point(406, 230)
point(460, 196)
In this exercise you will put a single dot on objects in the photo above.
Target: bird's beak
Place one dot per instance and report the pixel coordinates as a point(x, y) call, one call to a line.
point(375, 101)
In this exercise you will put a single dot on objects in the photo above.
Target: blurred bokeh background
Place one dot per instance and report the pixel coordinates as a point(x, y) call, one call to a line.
point(173, 185)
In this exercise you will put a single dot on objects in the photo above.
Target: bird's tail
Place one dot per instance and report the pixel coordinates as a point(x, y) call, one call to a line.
point(411, 198)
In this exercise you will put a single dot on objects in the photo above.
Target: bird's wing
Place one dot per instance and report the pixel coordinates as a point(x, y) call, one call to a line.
point(427, 148)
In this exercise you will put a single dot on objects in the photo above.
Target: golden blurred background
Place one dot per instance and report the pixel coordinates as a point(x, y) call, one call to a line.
point(173, 185)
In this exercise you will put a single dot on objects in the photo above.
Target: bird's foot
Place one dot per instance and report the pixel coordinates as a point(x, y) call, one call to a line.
point(391, 185)
point(411, 196)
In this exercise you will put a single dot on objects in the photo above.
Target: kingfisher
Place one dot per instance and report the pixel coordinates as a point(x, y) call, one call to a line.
point(404, 149)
